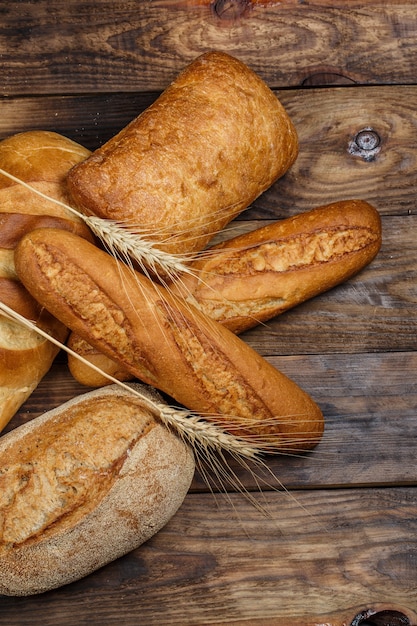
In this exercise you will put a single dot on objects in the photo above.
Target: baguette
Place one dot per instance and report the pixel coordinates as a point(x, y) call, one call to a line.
point(165, 342)
point(41, 159)
point(201, 153)
point(256, 276)
point(84, 484)
point(89, 376)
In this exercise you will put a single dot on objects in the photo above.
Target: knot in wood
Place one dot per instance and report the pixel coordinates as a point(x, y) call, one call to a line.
point(230, 9)
point(387, 617)
point(366, 144)
point(367, 139)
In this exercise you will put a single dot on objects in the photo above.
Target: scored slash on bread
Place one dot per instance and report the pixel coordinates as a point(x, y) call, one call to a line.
point(164, 341)
point(84, 484)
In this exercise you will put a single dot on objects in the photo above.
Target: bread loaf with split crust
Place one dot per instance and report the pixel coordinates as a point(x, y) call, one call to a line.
point(214, 140)
point(84, 484)
point(258, 275)
point(253, 277)
point(41, 159)
point(165, 342)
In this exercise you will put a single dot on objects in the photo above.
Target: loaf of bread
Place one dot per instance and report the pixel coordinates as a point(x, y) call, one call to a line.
point(41, 159)
point(253, 277)
point(214, 140)
point(84, 484)
point(258, 275)
point(81, 369)
point(165, 342)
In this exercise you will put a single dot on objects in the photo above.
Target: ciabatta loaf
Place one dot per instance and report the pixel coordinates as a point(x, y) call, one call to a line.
point(41, 159)
point(201, 153)
point(84, 484)
point(165, 342)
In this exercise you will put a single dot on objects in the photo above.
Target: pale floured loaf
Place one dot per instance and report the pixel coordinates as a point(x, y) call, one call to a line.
point(84, 484)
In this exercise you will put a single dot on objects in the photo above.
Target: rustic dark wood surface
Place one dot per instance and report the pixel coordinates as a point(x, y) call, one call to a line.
point(337, 541)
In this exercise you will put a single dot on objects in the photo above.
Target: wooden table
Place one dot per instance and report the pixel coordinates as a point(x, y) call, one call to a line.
point(339, 544)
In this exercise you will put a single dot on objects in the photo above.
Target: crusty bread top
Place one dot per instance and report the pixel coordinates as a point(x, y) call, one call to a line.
point(39, 155)
point(201, 153)
point(56, 469)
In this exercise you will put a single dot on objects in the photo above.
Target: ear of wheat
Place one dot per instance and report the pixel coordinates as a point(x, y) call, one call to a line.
point(119, 240)
point(199, 433)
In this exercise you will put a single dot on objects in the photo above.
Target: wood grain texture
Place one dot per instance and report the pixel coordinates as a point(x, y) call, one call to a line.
point(131, 46)
point(330, 166)
point(221, 562)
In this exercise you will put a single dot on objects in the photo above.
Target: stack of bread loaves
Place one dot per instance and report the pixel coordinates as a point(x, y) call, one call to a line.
point(41, 159)
point(103, 465)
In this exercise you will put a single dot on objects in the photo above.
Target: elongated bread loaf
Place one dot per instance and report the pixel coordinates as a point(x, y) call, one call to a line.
point(84, 484)
point(81, 369)
point(258, 275)
point(201, 153)
point(41, 159)
point(164, 341)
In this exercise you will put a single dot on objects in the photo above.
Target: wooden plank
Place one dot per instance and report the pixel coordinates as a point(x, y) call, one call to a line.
point(328, 167)
point(321, 553)
point(369, 406)
point(130, 46)
point(88, 119)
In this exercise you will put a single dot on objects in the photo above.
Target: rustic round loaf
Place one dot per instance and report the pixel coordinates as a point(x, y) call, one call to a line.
point(84, 484)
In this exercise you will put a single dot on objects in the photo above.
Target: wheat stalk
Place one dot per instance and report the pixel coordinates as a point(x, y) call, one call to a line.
point(199, 433)
point(122, 243)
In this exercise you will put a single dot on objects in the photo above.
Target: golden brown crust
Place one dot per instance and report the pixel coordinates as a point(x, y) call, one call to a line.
point(258, 275)
point(163, 341)
point(84, 484)
point(210, 144)
point(39, 155)
point(41, 159)
point(84, 373)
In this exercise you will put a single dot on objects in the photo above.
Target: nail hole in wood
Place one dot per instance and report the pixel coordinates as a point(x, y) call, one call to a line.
point(381, 618)
point(365, 144)
point(230, 9)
